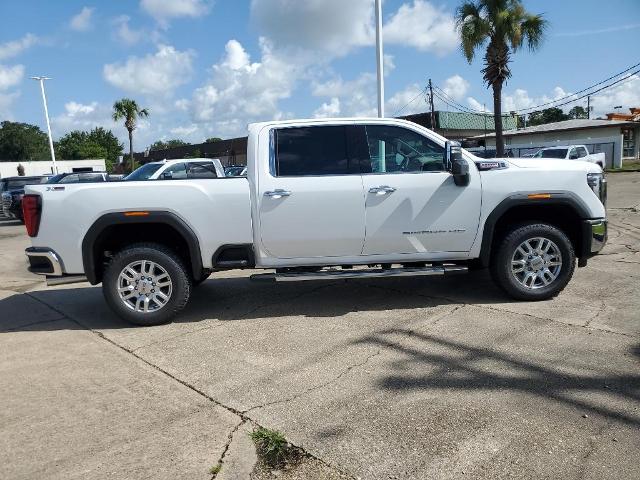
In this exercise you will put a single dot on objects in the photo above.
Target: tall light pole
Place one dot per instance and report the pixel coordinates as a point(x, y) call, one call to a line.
point(380, 58)
point(46, 115)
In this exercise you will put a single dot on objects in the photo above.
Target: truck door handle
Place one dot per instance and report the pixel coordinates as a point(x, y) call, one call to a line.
point(277, 193)
point(382, 190)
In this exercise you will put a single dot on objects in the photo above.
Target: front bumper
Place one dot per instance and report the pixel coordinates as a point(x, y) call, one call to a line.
point(594, 238)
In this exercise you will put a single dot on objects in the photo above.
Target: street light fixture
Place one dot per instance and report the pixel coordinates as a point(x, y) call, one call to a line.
point(46, 114)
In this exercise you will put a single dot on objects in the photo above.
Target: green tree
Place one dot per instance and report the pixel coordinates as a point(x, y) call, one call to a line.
point(548, 115)
point(161, 145)
point(194, 154)
point(21, 141)
point(213, 140)
point(504, 26)
point(129, 110)
point(578, 112)
point(98, 143)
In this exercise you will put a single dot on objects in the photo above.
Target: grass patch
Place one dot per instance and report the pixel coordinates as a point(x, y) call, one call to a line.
point(627, 165)
point(215, 470)
point(271, 446)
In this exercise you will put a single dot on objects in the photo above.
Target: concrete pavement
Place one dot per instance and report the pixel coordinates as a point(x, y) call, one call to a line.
point(392, 378)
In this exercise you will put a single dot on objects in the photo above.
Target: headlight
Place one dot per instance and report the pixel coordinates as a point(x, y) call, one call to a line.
point(598, 183)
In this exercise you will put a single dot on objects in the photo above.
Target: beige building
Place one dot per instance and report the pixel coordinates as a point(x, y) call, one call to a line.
point(619, 140)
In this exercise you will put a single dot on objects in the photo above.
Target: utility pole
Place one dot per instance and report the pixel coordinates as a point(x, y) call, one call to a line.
point(433, 115)
point(379, 58)
point(588, 106)
point(484, 114)
point(46, 115)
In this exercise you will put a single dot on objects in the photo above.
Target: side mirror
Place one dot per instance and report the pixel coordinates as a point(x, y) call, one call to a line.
point(455, 164)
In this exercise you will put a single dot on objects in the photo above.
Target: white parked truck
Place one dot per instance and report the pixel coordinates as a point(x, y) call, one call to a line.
point(572, 152)
point(323, 199)
point(178, 169)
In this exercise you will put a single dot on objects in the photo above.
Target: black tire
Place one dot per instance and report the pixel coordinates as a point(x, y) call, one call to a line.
point(167, 260)
point(501, 262)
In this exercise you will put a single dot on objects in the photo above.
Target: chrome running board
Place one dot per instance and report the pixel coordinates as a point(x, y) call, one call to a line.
point(63, 280)
point(368, 273)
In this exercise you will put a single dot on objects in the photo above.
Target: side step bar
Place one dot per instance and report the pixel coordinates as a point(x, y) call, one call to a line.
point(369, 273)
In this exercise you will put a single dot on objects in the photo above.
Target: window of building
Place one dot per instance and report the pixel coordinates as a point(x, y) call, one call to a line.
point(302, 151)
point(628, 143)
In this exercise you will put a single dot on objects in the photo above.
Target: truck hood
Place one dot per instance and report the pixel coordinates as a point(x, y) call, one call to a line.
point(553, 164)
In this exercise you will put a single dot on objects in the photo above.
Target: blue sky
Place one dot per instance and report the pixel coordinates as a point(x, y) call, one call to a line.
point(207, 68)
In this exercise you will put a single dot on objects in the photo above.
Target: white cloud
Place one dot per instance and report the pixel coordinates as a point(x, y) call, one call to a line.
point(6, 102)
point(10, 76)
point(239, 91)
point(476, 105)
point(165, 10)
point(82, 21)
point(124, 33)
point(626, 93)
point(455, 87)
point(157, 74)
point(327, 110)
point(333, 27)
point(357, 97)
point(16, 47)
point(423, 26)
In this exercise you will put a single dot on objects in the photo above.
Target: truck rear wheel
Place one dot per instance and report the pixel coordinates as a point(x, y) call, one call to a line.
point(533, 262)
point(146, 284)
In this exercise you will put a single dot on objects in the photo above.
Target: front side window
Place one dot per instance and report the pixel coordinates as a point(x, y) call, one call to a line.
point(582, 152)
point(303, 151)
point(145, 172)
point(175, 172)
point(202, 170)
point(397, 149)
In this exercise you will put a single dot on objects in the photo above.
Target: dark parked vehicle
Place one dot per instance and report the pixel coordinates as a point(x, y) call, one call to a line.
point(235, 170)
point(84, 177)
point(12, 189)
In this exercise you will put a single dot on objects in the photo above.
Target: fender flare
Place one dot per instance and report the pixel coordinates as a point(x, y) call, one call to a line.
point(154, 216)
point(563, 198)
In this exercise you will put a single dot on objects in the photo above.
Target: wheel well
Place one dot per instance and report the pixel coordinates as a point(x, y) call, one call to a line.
point(563, 217)
point(114, 238)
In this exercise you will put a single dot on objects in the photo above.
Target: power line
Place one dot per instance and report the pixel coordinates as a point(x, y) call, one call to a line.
point(409, 102)
point(447, 99)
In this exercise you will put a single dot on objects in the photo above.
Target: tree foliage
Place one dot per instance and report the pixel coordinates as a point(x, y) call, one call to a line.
point(161, 145)
point(548, 115)
point(578, 112)
point(21, 141)
point(213, 140)
point(97, 143)
point(129, 111)
point(501, 27)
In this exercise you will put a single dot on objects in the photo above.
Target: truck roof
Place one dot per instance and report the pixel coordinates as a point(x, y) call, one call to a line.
point(179, 160)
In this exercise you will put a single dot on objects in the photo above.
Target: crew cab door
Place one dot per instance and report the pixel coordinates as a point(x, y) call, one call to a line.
point(310, 202)
point(412, 203)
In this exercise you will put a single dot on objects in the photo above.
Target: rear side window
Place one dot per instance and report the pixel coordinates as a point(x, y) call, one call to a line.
point(202, 170)
point(305, 151)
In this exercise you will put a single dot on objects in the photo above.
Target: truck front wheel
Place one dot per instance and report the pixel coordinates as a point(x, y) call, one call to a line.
point(146, 284)
point(533, 262)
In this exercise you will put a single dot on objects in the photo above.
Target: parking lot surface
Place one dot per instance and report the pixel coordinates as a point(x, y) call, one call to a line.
point(389, 378)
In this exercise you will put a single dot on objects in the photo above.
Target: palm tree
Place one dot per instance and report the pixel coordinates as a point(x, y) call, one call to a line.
point(504, 26)
point(130, 111)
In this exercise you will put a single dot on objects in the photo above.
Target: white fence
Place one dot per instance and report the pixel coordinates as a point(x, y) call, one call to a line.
point(10, 169)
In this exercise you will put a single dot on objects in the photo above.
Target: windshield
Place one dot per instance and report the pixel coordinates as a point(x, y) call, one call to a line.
point(552, 153)
point(144, 172)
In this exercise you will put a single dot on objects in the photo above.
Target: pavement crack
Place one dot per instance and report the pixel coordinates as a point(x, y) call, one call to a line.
point(315, 387)
point(227, 445)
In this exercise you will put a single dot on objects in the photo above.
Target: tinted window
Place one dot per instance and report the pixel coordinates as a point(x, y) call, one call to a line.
point(144, 172)
point(202, 170)
point(552, 153)
point(311, 151)
point(397, 149)
point(582, 152)
point(175, 172)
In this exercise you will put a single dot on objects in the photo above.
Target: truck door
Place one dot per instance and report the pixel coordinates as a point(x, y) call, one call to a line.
point(310, 203)
point(412, 203)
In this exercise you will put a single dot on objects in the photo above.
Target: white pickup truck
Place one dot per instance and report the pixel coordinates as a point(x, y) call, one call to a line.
point(571, 152)
point(323, 199)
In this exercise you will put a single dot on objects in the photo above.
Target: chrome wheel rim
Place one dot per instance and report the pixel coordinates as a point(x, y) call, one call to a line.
point(536, 263)
point(144, 286)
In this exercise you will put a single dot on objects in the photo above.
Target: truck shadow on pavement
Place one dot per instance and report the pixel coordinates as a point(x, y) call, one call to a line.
point(239, 299)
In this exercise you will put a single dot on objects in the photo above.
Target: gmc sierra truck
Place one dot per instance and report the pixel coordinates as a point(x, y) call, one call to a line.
point(323, 199)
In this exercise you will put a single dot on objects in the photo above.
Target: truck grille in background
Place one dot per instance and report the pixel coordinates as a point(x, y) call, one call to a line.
point(7, 201)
